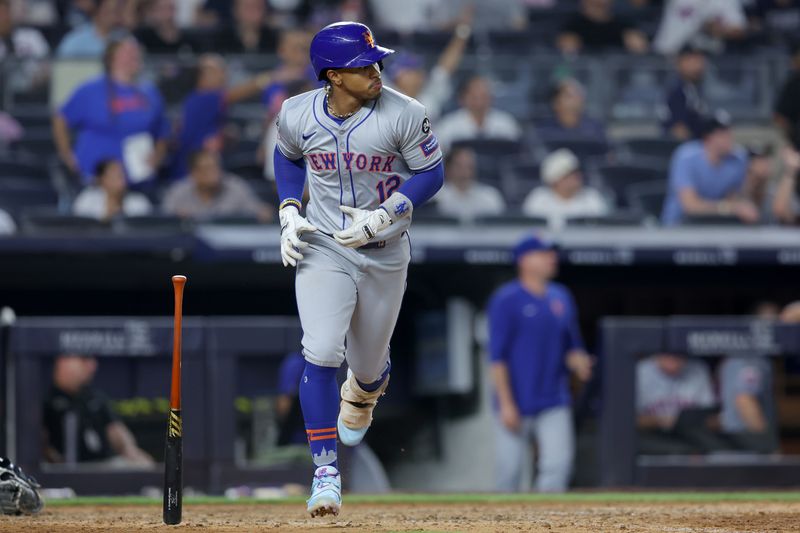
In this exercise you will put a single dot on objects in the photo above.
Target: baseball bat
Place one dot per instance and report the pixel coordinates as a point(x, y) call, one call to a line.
point(173, 453)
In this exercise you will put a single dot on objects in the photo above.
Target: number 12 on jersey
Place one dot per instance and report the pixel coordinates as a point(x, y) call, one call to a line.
point(387, 187)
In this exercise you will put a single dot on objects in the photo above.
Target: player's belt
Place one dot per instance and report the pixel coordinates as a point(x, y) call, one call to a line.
point(374, 245)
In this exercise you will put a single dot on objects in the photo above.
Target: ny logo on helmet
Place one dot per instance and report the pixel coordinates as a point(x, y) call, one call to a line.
point(368, 37)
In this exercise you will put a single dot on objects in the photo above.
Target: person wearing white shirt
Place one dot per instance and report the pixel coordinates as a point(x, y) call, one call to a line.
point(563, 194)
point(109, 197)
point(462, 196)
point(703, 24)
point(476, 118)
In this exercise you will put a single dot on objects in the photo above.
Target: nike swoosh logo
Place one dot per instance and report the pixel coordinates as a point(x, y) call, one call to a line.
point(307, 137)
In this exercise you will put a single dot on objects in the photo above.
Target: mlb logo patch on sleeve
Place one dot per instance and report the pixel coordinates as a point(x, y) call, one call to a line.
point(429, 145)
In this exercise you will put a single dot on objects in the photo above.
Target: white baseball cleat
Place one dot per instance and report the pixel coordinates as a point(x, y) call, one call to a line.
point(355, 412)
point(326, 492)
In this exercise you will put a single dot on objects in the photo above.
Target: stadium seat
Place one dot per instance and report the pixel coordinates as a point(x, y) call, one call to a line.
point(511, 218)
point(17, 168)
point(647, 197)
point(17, 194)
point(36, 221)
point(35, 143)
point(616, 178)
point(618, 218)
point(659, 149)
point(518, 180)
point(712, 220)
point(491, 147)
point(587, 150)
point(235, 220)
point(154, 223)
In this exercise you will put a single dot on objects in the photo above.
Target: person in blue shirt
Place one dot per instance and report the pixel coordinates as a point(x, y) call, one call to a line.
point(534, 344)
point(89, 40)
point(205, 110)
point(115, 118)
point(707, 177)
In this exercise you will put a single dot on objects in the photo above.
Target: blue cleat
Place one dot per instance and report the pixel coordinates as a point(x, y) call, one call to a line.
point(326, 492)
point(355, 411)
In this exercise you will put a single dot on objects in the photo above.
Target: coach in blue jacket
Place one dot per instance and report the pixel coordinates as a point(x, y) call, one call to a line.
point(534, 343)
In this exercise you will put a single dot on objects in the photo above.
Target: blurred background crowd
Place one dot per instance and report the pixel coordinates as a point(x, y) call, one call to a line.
point(124, 116)
point(628, 112)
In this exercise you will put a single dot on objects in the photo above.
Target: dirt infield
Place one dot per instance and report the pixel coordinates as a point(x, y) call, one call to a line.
point(420, 517)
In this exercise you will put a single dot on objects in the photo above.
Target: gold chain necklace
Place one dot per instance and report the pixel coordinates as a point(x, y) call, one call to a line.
point(330, 109)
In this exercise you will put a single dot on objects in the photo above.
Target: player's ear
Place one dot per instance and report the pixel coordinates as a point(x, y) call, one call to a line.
point(334, 78)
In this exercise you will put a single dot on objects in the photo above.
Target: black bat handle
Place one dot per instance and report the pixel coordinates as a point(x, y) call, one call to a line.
point(173, 471)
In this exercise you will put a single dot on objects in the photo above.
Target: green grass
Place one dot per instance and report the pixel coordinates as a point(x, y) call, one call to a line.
point(401, 498)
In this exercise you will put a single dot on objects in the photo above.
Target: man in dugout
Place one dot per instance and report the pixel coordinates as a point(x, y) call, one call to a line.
point(79, 424)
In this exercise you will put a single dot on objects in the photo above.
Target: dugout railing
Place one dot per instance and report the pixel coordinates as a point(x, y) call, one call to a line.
point(623, 341)
point(142, 347)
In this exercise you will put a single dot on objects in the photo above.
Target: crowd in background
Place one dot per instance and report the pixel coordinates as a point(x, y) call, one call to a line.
point(131, 154)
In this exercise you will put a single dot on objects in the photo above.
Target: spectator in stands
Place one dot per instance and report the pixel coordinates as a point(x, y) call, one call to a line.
point(294, 66)
point(18, 42)
point(534, 343)
point(785, 203)
point(476, 118)
point(7, 225)
point(787, 106)
point(686, 105)
point(205, 109)
point(353, 10)
point(432, 89)
point(462, 196)
point(80, 425)
point(777, 20)
point(563, 194)
point(707, 177)
point(209, 193)
point(91, 39)
point(746, 395)
point(408, 16)
point(161, 33)
point(248, 33)
point(674, 405)
point(115, 117)
point(569, 119)
point(596, 28)
point(706, 25)
point(109, 196)
point(27, 47)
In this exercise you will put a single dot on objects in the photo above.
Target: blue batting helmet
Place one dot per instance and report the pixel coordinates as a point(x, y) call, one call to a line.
point(345, 45)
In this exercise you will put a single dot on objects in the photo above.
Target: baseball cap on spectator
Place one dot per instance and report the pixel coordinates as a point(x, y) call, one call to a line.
point(558, 164)
point(531, 243)
point(720, 120)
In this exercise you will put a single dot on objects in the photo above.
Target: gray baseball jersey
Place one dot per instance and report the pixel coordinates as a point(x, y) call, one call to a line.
point(743, 375)
point(361, 161)
point(658, 394)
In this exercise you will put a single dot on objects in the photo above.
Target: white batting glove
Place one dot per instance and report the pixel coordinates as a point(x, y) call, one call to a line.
point(364, 226)
point(292, 226)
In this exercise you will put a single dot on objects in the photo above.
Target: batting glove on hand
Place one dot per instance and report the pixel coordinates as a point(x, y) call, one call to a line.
point(364, 226)
point(292, 226)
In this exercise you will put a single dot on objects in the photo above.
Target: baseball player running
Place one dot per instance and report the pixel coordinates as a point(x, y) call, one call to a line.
point(370, 158)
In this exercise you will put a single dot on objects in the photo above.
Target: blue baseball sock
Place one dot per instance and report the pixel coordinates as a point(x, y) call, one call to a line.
point(319, 399)
point(372, 387)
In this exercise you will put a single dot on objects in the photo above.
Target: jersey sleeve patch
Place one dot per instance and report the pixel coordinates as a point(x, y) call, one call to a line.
point(429, 145)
